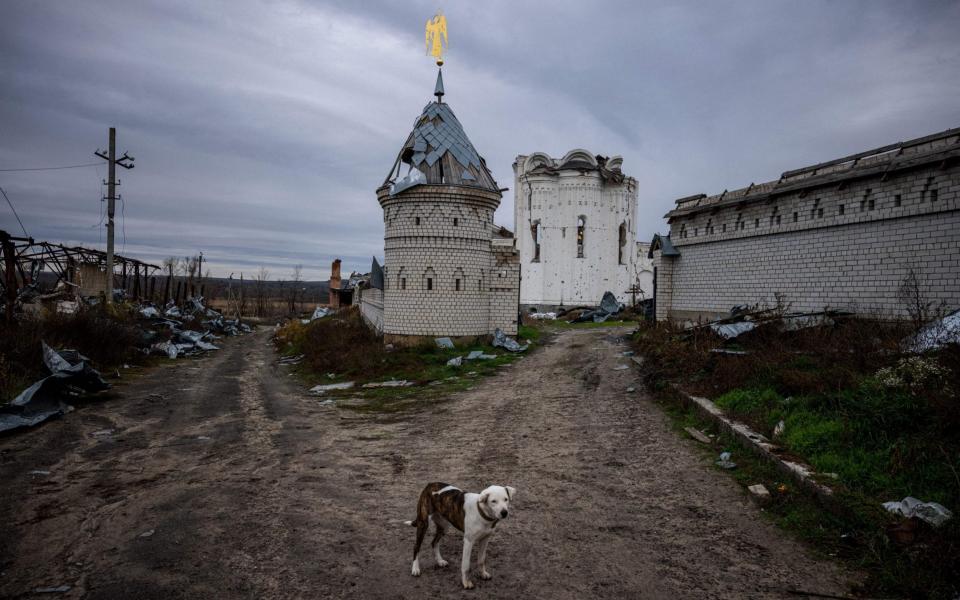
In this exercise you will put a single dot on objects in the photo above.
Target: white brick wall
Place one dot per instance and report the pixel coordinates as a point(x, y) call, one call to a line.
point(850, 258)
point(443, 233)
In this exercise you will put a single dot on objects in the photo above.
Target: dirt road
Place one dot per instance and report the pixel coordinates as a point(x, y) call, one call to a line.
point(220, 478)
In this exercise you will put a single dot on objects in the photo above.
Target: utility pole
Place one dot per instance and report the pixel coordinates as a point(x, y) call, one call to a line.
point(112, 162)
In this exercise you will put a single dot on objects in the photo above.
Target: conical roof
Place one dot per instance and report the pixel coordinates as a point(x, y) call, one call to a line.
point(439, 152)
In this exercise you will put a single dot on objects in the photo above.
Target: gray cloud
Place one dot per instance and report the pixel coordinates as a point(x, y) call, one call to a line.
point(262, 129)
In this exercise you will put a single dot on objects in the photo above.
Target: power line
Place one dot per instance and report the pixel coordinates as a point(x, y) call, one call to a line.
point(15, 213)
point(50, 168)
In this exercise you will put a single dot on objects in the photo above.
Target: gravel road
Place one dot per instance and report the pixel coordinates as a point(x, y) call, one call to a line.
point(221, 478)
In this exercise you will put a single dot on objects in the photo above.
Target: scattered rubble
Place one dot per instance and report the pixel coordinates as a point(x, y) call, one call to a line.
point(698, 435)
point(930, 512)
point(320, 390)
point(455, 362)
point(70, 376)
point(390, 383)
point(547, 316)
point(724, 462)
point(608, 307)
point(760, 493)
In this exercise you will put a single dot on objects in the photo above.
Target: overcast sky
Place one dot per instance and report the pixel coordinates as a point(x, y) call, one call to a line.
point(262, 128)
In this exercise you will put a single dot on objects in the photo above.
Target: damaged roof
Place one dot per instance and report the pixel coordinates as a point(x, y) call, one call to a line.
point(939, 147)
point(440, 151)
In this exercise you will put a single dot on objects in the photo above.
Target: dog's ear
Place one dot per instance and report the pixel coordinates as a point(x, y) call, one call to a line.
point(511, 492)
point(484, 497)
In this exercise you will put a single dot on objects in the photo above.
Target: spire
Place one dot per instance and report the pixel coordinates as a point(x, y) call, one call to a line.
point(438, 90)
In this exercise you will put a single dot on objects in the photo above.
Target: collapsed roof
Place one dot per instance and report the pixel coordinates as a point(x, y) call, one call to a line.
point(438, 151)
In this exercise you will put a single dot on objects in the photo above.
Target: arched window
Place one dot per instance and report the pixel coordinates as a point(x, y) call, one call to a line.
point(581, 234)
point(429, 279)
point(458, 280)
point(401, 279)
point(622, 243)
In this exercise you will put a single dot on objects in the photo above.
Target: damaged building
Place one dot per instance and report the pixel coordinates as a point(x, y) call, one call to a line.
point(851, 234)
point(448, 270)
point(576, 224)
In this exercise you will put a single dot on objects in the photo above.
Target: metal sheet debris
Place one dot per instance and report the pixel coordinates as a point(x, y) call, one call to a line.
point(500, 340)
point(455, 362)
point(936, 335)
point(70, 376)
point(728, 331)
point(444, 342)
point(930, 512)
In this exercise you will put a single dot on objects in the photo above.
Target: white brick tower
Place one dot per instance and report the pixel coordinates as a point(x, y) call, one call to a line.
point(444, 274)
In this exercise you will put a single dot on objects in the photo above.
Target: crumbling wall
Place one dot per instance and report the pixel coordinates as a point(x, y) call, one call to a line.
point(335, 283)
point(555, 194)
point(504, 287)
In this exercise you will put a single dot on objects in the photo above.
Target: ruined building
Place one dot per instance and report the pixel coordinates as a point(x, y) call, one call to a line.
point(448, 270)
point(576, 225)
point(843, 234)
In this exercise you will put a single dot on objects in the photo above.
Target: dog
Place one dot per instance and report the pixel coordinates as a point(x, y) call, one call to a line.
point(476, 515)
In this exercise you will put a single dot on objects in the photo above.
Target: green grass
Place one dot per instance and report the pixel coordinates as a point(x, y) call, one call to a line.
point(887, 426)
point(344, 349)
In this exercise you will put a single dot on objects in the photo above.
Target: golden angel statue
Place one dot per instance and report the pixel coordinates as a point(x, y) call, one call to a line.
point(437, 28)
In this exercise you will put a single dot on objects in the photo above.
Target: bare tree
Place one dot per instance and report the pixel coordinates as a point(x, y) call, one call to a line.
point(296, 285)
point(260, 292)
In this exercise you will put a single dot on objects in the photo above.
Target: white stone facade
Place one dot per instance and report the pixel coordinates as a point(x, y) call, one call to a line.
point(840, 235)
point(575, 221)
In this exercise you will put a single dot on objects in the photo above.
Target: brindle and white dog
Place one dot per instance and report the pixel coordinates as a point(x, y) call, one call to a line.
point(476, 515)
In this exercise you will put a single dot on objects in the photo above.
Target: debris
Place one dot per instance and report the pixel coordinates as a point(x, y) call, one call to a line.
point(778, 430)
point(930, 512)
point(323, 389)
point(698, 435)
point(444, 342)
point(609, 304)
point(803, 321)
point(630, 390)
point(390, 383)
point(70, 376)
point(725, 462)
point(487, 356)
point(627, 353)
point(39, 472)
point(102, 433)
point(60, 589)
point(475, 354)
point(455, 362)
point(319, 313)
point(204, 438)
point(150, 311)
point(727, 351)
point(291, 360)
point(147, 534)
point(548, 316)
point(67, 307)
point(621, 367)
point(759, 492)
point(637, 359)
point(936, 335)
point(728, 331)
point(500, 340)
